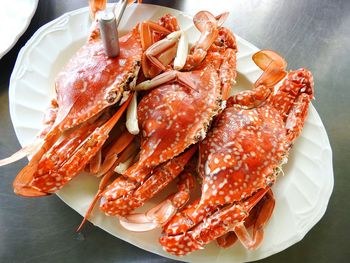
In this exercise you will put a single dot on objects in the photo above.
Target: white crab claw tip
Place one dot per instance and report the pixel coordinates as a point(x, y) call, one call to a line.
point(135, 226)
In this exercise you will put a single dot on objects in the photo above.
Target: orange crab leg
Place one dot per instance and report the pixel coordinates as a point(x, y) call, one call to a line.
point(273, 66)
point(250, 98)
point(208, 26)
point(229, 218)
point(26, 184)
point(169, 44)
point(147, 34)
point(119, 199)
point(227, 72)
point(164, 211)
point(112, 154)
point(263, 213)
point(168, 76)
point(95, 163)
point(103, 183)
point(21, 184)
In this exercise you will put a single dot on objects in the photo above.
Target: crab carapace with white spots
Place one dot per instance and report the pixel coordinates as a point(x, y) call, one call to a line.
point(151, 33)
point(86, 87)
point(176, 114)
point(240, 159)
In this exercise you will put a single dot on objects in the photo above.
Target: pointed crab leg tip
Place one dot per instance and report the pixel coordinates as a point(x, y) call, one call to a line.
point(222, 18)
point(27, 191)
point(25, 151)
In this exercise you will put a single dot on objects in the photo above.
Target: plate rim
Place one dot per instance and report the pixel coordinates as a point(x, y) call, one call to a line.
point(277, 248)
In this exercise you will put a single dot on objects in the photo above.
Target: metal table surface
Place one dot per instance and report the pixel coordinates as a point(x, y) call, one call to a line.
point(314, 34)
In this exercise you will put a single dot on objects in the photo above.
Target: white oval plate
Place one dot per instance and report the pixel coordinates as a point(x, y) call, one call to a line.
point(301, 195)
point(15, 16)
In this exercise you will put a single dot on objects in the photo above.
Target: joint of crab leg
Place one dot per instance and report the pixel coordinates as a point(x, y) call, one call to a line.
point(227, 239)
point(250, 98)
point(228, 72)
point(241, 230)
point(123, 166)
point(165, 77)
point(160, 47)
point(148, 28)
point(209, 33)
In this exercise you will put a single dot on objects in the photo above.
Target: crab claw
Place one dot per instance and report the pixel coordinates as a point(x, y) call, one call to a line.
point(44, 176)
point(154, 218)
point(163, 212)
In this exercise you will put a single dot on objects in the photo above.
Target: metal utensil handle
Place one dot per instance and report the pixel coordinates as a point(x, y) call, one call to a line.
point(119, 10)
point(109, 33)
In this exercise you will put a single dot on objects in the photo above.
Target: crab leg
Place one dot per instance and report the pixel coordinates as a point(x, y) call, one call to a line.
point(103, 183)
point(273, 66)
point(250, 98)
point(49, 119)
point(33, 182)
point(263, 215)
point(112, 154)
point(130, 155)
point(172, 75)
point(95, 163)
point(148, 30)
point(227, 219)
point(125, 149)
point(274, 70)
point(21, 184)
point(166, 44)
point(119, 199)
point(163, 212)
point(227, 72)
point(208, 25)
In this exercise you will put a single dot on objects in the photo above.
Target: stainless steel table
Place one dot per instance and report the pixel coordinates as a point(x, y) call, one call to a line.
point(314, 34)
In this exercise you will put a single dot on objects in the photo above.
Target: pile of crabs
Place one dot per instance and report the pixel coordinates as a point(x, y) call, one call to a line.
point(162, 111)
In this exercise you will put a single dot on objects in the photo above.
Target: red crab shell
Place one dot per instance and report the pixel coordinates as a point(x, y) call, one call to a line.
point(91, 81)
point(241, 152)
point(174, 116)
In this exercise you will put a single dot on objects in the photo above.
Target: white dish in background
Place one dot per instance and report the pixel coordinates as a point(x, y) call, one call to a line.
point(15, 17)
point(301, 195)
